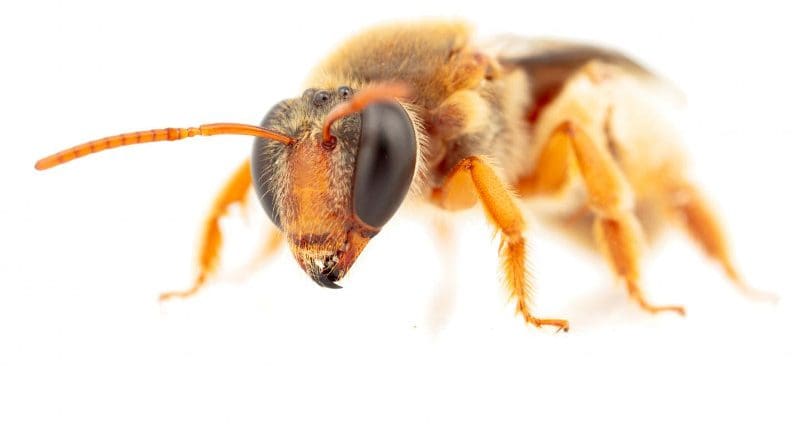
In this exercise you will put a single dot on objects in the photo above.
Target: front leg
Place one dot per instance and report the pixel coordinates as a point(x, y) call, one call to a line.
point(472, 180)
point(208, 256)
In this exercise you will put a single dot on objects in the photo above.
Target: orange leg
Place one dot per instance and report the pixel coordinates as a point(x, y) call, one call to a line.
point(442, 303)
point(616, 230)
point(554, 167)
point(619, 240)
point(697, 218)
point(270, 247)
point(234, 192)
point(471, 180)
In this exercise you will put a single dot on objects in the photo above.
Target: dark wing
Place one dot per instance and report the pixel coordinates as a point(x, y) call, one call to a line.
point(550, 63)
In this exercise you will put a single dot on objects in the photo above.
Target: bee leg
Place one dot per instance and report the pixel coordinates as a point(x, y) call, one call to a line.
point(617, 232)
point(688, 206)
point(234, 192)
point(471, 180)
point(619, 238)
point(442, 303)
point(270, 247)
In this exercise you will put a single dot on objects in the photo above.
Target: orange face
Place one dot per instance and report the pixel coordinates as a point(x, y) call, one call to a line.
point(330, 168)
point(330, 197)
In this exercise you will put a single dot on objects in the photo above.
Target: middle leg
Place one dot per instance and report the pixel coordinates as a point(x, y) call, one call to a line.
point(617, 231)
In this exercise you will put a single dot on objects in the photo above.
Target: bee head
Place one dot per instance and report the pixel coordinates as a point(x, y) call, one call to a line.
point(349, 167)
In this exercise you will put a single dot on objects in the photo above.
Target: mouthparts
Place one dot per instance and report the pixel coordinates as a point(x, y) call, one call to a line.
point(327, 273)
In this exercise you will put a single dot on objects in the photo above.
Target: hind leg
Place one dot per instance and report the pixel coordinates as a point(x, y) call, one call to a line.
point(687, 205)
point(234, 192)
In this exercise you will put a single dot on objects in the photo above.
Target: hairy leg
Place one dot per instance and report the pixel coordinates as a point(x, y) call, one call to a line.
point(472, 180)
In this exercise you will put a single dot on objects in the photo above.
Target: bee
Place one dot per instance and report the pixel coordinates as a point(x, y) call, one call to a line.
point(419, 111)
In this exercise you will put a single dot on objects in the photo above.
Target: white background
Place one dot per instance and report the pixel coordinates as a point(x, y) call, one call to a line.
point(87, 355)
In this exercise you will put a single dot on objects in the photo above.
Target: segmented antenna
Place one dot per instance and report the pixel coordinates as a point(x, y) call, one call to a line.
point(165, 134)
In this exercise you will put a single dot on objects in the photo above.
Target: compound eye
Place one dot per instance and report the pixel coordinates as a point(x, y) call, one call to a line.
point(385, 162)
point(260, 170)
point(262, 166)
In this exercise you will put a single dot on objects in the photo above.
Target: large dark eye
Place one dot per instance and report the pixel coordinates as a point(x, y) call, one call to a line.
point(385, 162)
point(263, 164)
point(262, 183)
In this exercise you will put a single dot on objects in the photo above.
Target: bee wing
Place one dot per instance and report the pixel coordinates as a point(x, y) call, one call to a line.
point(550, 62)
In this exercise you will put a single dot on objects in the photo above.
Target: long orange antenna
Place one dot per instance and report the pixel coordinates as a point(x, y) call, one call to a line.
point(165, 134)
point(381, 92)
